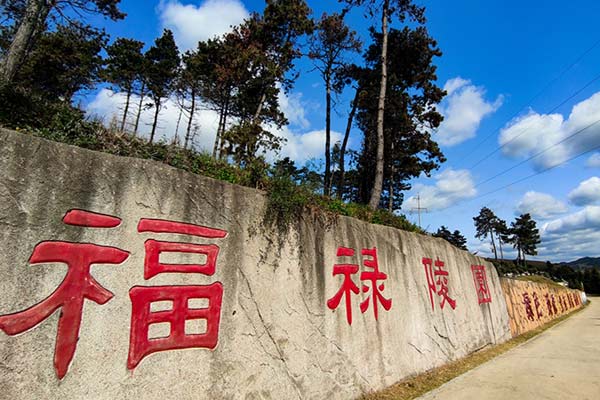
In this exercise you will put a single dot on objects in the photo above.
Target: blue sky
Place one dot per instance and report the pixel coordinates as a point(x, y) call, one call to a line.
point(507, 66)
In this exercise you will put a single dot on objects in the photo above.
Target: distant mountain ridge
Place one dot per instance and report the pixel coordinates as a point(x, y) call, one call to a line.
point(584, 263)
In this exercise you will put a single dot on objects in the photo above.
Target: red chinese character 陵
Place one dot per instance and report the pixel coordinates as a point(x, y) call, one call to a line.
point(348, 286)
point(528, 308)
point(481, 284)
point(373, 277)
point(140, 345)
point(77, 285)
point(438, 278)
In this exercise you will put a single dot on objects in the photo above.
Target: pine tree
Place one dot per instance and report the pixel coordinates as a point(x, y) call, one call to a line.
point(485, 225)
point(524, 236)
point(162, 64)
point(329, 45)
point(124, 64)
point(34, 16)
point(402, 9)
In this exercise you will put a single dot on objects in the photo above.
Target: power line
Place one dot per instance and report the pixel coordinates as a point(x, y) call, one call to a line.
point(527, 129)
point(539, 153)
point(536, 96)
point(536, 174)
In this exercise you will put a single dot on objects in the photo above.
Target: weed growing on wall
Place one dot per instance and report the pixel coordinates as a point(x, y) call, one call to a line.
point(287, 198)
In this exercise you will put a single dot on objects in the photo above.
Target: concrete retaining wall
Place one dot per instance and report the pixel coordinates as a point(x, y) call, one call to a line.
point(239, 311)
point(532, 304)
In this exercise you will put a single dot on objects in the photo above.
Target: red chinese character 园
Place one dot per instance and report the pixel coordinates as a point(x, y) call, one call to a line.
point(438, 278)
point(77, 285)
point(528, 308)
point(481, 284)
point(348, 285)
point(140, 345)
point(373, 277)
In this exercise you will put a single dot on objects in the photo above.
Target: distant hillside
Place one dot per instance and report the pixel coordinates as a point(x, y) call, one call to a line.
point(584, 263)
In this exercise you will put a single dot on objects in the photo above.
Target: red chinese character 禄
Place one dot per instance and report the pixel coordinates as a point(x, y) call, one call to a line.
point(373, 277)
point(77, 285)
point(438, 278)
point(348, 286)
point(528, 308)
point(481, 284)
point(140, 345)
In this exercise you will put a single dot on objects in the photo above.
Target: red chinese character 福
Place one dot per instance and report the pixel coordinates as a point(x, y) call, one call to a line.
point(348, 286)
point(481, 284)
point(140, 345)
point(77, 285)
point(528, 309)
point(373, 277)
point(438, 278)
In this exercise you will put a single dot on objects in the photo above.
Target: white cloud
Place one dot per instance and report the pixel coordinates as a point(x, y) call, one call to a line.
point(540, 205)
point(587, 193)
point(110, 105)
point(532, 133)
point(463, 109)
point(292, 106)
point(593, 161)
point(588, 218)
point(572, 236)
point(451, 187)
point(300, 146)
point(191, 23)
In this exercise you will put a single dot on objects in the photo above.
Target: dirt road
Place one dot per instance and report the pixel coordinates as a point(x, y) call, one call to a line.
point(562, 363)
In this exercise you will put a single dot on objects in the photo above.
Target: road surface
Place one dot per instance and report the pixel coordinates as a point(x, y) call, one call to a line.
point(562, 363)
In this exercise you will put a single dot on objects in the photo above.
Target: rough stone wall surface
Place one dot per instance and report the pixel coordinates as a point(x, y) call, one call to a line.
point(532, 304)
point(278, 338)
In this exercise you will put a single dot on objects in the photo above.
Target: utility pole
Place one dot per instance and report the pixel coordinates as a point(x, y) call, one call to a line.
point(419, 209)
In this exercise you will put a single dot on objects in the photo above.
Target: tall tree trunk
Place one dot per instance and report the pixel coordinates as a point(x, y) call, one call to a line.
point(189, 125)
point(157, 107)
point(178, 121)
point(36, 13)
point(223, 129)
point(218, 136)
point(378, 184)
point(327, 186)
point(139, 113)
point(391, 188)
point(493, 244)
point(259, 108)
point(342, 181)
point(126, 109)
point(500, 245)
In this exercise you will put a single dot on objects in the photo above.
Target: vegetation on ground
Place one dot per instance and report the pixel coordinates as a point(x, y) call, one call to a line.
point(418, 385)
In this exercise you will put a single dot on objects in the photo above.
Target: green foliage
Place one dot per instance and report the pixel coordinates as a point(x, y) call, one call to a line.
point(409, 117)
point(454, 238)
